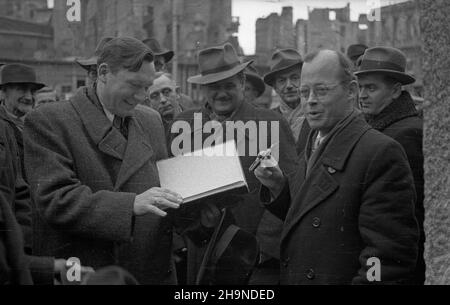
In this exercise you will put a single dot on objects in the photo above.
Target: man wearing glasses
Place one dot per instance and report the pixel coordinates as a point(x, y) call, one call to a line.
point(348, 211)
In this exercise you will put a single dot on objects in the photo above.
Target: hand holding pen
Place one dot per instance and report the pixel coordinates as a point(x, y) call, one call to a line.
point(270, 176)
point(263, 155)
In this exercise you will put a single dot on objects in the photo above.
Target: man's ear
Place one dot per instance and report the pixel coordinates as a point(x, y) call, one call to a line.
point(396, 91)
point(102, 71)
point(353, 90)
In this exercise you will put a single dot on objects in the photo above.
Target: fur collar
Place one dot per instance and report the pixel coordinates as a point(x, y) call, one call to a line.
point(399, 109)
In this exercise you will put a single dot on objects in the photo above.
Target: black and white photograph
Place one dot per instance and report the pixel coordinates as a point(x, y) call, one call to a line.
point(224, 149)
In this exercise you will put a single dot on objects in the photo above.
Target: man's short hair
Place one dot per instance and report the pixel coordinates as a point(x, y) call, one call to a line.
point(345, 64)
point(125, 53)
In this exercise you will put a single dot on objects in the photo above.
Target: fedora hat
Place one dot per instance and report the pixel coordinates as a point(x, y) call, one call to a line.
point(18, 74)
point(385, 60)
point(217, 63)
point(354, 51)
point(92, 61)
point(157, 50)
point(253, 77)
point(282, 60)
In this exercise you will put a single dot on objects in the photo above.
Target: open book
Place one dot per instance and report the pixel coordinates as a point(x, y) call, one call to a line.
point(202, 173)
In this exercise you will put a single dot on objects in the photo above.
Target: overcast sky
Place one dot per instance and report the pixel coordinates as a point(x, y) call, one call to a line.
point(250, 10)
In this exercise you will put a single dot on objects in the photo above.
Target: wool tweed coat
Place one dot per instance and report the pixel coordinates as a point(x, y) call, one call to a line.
point(84, 177)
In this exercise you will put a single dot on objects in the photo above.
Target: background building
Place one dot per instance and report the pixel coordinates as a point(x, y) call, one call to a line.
point(332, 28)
point(400, 28)
point(31, 31)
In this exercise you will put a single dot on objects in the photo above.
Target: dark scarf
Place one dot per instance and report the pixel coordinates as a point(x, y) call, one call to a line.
point(399, 109)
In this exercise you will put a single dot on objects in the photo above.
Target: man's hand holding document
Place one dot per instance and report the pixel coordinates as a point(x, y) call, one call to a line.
point(204, 173)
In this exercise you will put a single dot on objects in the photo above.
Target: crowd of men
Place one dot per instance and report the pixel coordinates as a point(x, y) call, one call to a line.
point(79, 177)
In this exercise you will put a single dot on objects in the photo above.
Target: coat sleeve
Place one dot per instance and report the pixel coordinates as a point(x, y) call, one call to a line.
point(279, 206)
point(387, 223)
point(42, 269)
point(60, 197)
point(22, 202)
point(411, 141)
point(22, 210)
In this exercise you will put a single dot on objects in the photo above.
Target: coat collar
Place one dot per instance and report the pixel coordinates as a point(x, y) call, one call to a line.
point(340, 146)
point(7, 118)
point(133, 153)
point(399, 109)
point(320, 183)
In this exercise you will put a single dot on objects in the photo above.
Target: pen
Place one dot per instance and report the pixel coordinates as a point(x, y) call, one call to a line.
point(261, 156)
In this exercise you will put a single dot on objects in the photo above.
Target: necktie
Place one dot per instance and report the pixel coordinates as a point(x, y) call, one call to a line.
point(316, 144)
point(120, 124)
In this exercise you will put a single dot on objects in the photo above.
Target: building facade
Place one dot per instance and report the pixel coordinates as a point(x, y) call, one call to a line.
point(400, 28)
point(272, 33)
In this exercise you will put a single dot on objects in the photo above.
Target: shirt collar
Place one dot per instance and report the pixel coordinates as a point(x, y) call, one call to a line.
point(108, 113)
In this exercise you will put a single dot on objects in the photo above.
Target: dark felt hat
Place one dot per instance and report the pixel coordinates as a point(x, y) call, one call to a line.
point(385, 60)
point(216, 64)
point(282, 60)
point(157, 50)
point(92, 61)
point(253, 77)
point(18, 74)
point(354, 51)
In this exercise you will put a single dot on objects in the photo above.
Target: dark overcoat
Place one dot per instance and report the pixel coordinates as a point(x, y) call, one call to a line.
point(401, 121)
point(84, 177)
point(22, 200)
point(248, 213)
point(16, 267)
point(13, 264)
point(356, 203)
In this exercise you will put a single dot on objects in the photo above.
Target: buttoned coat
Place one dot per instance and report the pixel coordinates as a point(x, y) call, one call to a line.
point(357, 203)
point(84, 177)
point(400, 121)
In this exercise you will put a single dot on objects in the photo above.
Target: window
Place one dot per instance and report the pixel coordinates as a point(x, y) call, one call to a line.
point(66, 89)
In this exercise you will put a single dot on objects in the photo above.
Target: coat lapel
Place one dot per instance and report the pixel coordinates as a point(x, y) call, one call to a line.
point(99, 128)
point(320, 183)
point(315, 189)
point(138, 152)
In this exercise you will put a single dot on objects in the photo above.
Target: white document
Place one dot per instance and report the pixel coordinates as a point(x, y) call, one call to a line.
point(203, 173)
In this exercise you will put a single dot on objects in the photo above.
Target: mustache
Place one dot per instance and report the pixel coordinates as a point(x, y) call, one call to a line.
point(27, 101)
point(296, 90)
point(223, 99)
